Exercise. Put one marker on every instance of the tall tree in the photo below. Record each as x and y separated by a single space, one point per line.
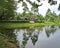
51 16
7 8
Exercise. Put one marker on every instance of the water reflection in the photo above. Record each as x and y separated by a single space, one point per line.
26 34
50 30
31 37
34 37
8 34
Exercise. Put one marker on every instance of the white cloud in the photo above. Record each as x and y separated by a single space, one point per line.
43 9
19 8
55 8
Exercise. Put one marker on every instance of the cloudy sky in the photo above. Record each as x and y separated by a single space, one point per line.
43 8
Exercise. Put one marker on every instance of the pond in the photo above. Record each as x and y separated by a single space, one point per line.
35 37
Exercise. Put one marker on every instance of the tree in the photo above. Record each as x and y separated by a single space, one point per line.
51 16
40 18
47 15
7 8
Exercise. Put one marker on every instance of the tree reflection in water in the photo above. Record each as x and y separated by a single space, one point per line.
23 35
8 34
25 39
50 30
32 34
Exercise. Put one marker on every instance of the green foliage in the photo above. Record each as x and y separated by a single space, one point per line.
34 5
40 19
24 4
7 8
3 40
51 16
8 34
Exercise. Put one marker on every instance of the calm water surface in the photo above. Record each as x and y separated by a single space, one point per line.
37 37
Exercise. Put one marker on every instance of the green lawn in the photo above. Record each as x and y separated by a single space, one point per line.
18 25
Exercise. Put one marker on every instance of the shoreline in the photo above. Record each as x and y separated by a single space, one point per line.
19 25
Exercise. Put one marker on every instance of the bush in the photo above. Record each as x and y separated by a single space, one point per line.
14 21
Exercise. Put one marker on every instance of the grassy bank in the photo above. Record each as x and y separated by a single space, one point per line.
18 25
